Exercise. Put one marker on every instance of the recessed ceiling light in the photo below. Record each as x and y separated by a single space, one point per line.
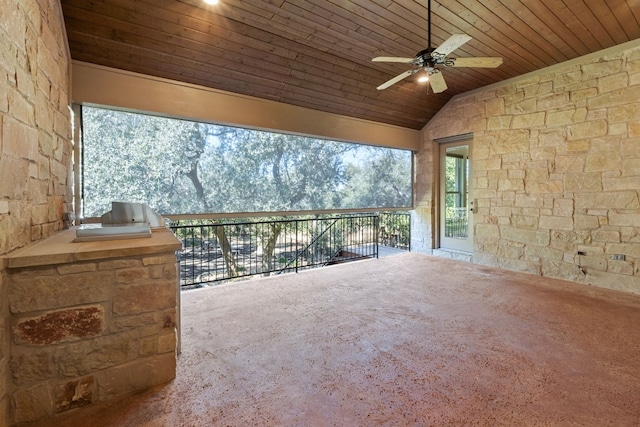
211 1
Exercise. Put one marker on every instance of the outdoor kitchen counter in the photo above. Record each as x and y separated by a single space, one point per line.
61 249
90 321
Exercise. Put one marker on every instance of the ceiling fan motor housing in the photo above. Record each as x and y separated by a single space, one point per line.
429 58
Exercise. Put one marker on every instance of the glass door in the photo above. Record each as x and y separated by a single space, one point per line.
456 229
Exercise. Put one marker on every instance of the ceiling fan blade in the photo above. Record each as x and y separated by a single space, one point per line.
479 62
451 44
392 59
396 79
436 80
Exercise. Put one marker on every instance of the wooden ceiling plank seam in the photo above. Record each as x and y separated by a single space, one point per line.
254 32
590 23
340 105
214 70
244 40
499 46
364 87
331 38
319 63
441 28
326 46
508 45
346 34
164 45
298 26
251 8
345 14
555 20
624 15
253 35
635 11
120 49
343 63
404 28
532 26
205 53
394 101
369 90
325 14
386 20
137 63
420 21
526 44
365 82
601 9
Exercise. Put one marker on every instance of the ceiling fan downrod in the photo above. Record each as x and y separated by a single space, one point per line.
429 24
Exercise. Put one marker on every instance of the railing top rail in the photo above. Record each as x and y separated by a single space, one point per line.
279 221
230 215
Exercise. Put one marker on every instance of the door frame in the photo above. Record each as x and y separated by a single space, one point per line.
442 242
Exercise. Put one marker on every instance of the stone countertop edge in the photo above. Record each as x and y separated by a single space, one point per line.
61 249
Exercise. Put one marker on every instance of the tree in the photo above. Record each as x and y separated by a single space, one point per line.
265 171
138 158
383 179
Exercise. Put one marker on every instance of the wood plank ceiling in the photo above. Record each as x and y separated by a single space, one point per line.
317 53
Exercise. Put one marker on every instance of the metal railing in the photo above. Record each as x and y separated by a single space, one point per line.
395 230
456 227
217 251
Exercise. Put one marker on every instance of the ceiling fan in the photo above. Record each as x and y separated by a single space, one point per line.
429 58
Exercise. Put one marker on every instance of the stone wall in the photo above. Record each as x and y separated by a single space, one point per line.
555 170
35 143
4 348
35 137
90 331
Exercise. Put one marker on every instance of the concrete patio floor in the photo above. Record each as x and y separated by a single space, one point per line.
406 340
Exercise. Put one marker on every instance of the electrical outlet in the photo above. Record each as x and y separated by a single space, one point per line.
617 257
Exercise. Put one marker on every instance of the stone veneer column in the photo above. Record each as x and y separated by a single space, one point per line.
555 169
423 215
35 138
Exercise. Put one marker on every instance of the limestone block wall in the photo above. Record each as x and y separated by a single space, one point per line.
555 170
86 332
35 124
35 142
4 348
423 215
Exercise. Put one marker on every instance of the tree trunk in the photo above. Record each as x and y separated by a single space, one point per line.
269 247
225 246
193 176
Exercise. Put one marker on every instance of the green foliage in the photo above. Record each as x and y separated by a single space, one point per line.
177 167
382 179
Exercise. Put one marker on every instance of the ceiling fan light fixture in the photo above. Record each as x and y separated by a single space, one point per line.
427 60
